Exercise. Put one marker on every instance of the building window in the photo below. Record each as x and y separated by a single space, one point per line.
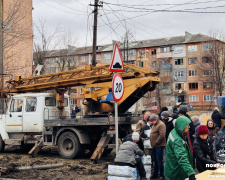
179 73
140 53
207 85
83 58
178 62
164 49
208 72
206 47
192 48
81 90
206 59
107 56
165 61
193 85
73 101
153 51
154 64
193 98
132 52
97 56
177 86
192 60
193 73
141 64
208 98
178 50
73 91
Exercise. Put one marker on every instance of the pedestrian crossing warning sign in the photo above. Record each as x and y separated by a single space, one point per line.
117 62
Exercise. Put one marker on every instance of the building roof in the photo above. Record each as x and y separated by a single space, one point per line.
187 38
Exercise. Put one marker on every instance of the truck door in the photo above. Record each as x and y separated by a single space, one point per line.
32 116
15 115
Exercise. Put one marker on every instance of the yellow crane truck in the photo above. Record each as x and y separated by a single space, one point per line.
43 119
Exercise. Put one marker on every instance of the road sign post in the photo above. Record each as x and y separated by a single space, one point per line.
117 85
118 91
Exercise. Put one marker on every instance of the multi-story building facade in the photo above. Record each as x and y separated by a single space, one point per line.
180 61
18 38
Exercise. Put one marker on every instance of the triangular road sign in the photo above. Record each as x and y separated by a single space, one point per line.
117 62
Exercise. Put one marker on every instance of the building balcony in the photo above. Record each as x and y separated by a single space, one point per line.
180 93
166 66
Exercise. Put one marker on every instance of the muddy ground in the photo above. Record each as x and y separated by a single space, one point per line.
81 168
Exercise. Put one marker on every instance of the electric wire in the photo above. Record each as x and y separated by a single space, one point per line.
59 9
67 6
188 3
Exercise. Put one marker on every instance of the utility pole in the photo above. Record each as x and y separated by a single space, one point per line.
1 54
1 40
96 5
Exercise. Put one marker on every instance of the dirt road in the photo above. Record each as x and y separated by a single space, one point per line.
81 168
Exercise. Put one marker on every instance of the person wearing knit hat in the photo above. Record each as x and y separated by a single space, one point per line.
203 150
163 109
168 122
127 152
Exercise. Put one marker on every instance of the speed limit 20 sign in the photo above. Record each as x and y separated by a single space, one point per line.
117 87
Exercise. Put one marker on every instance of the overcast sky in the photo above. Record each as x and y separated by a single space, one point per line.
144 19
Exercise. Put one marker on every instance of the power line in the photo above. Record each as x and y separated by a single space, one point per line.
60 9
165 10
143 25
188 3
80 3
67 6
111 26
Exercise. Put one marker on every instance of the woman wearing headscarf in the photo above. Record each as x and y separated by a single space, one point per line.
213 128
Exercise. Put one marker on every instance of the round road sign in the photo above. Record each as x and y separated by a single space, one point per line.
117 87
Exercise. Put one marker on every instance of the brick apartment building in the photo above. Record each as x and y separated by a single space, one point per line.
183 63
17 38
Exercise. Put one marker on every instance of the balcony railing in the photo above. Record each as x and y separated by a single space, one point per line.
166 66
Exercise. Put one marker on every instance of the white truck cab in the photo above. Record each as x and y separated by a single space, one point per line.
26 113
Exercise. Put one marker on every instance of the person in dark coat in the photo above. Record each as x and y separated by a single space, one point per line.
168 122
216 117
163 109
203 150
213 128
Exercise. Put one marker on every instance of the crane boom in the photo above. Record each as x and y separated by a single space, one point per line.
137 82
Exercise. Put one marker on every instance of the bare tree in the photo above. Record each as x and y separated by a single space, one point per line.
43 41
67 42
212 64
16 36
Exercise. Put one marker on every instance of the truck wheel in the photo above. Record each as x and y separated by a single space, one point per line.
68 145
2 144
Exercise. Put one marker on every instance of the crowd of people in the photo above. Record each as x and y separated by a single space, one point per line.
177 144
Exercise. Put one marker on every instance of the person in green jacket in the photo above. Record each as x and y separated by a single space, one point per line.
179 161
